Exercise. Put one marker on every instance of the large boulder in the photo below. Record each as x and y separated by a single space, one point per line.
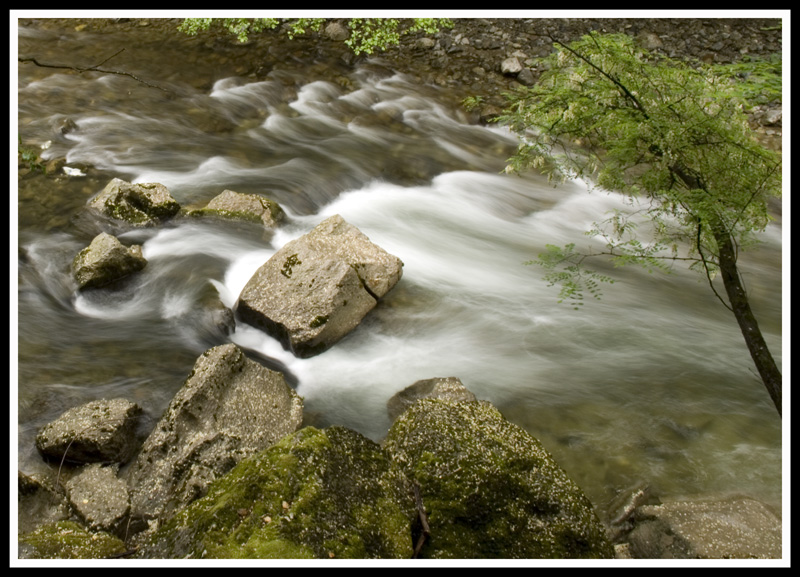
248 207
106 260
490 489
102 431
229 408
318 288
325 494
144 204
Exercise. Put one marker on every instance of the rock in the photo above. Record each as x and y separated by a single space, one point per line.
248 207
526 77
68 540
98 432
325 494
229 408
649 41
106 260
511 66
146 204
450 388
773 116
38 504
100 498
733 528
336 32
318 288
490 489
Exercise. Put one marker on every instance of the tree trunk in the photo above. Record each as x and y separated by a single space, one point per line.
737 296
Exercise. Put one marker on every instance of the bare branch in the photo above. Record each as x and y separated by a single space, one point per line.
96 68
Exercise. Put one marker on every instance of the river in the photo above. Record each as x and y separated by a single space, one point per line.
651 384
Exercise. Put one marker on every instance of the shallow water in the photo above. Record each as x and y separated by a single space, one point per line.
651 384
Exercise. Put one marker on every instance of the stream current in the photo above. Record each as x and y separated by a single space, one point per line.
651 384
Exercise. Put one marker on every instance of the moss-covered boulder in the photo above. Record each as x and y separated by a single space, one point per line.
68 540
143 204
490 489
248 207
105 261
328 493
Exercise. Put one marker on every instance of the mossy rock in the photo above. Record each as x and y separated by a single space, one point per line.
68 540
141 204
328 493
490 489
246 207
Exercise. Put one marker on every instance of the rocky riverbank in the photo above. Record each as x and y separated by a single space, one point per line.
484 57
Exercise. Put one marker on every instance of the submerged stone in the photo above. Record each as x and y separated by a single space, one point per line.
732 528
489 488
248 207
325 494
437 388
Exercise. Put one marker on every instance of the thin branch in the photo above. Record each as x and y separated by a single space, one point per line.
96 68
617 83
705 266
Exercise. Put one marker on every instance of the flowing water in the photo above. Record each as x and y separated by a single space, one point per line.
652 384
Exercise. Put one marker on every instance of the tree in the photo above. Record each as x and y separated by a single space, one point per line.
366 34
675 141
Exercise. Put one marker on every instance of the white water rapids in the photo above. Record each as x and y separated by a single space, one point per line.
651 384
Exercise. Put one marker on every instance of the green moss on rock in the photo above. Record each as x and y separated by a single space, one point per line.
489 488
68 540
315 494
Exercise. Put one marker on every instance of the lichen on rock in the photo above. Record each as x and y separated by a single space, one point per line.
142 204
316 289
106 260
248 207
489 488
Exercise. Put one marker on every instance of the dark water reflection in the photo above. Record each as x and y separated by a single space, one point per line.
652 384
